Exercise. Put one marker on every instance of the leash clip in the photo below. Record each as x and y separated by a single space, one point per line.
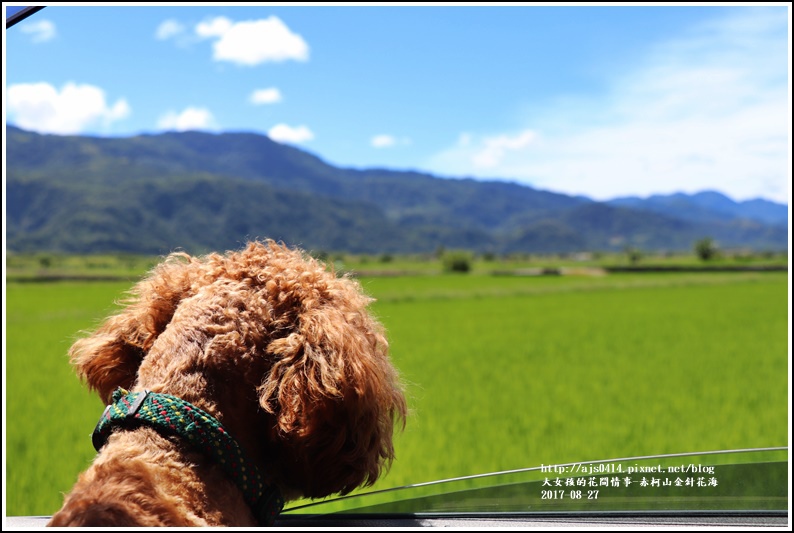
137 403
102 429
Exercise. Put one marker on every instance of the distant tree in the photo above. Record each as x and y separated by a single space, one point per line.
457 262
706 249
634 255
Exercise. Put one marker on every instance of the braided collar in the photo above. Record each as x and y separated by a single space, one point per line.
168 414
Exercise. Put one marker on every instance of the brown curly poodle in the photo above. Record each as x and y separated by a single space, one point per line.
264 347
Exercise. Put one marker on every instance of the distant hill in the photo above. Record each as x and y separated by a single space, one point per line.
201 191
708 206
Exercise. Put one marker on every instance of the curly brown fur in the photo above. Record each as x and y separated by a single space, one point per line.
282 352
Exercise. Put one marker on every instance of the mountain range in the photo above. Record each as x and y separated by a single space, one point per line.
202 191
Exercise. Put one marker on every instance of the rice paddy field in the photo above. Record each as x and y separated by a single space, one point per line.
502 372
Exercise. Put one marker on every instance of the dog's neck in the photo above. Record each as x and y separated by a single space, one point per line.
144 479
170 415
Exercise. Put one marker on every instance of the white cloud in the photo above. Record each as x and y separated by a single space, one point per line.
383 141
121 109
494 149
270 95
253 42
41 107
40 31
287 134
387 141
709 111
168 29
191 118
214 28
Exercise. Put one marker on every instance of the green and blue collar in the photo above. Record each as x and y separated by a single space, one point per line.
171 415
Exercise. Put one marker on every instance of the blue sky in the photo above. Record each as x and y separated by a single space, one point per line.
595 100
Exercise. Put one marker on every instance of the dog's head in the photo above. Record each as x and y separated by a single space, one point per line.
284 352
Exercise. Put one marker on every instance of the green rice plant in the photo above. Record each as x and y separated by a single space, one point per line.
49 414
501 372
65 266
507 382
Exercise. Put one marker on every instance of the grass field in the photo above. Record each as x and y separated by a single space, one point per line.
130 266
502 372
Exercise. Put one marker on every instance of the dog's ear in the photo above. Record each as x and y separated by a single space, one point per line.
336 397
110 356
